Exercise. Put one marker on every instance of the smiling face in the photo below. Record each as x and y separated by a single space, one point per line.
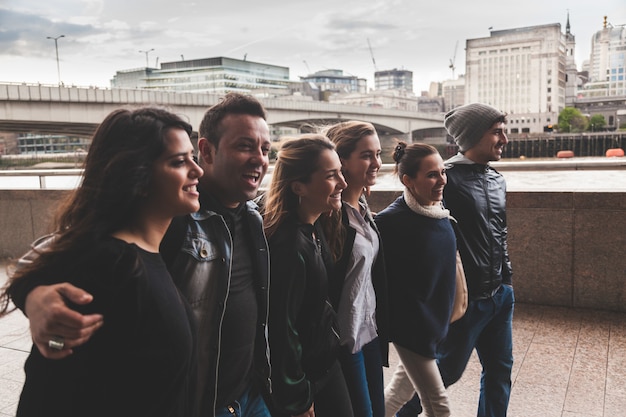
234 170
173 186
361 167
322 192
427 185
490 146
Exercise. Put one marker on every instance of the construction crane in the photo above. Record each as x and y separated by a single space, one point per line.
453 59
372 54
307 67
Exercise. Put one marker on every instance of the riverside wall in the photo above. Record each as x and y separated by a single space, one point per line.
567 248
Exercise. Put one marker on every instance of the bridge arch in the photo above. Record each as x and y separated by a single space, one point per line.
78 110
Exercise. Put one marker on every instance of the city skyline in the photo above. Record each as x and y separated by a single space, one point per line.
105 36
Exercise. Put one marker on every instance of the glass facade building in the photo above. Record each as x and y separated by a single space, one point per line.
219 75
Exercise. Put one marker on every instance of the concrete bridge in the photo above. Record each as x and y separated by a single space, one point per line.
77 110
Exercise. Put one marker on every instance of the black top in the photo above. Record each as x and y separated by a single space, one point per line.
240 316
302 326
139 362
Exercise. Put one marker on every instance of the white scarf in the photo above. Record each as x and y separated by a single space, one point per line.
436 211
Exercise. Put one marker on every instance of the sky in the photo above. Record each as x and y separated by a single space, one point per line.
357 36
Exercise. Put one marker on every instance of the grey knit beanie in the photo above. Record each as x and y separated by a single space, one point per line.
467 124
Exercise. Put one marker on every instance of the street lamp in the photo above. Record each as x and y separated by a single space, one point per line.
56 48
147 52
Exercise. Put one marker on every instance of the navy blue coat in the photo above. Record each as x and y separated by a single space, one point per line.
420 258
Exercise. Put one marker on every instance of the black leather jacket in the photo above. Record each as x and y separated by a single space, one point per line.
198 250
476 197
302 327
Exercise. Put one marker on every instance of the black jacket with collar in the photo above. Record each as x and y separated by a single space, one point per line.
303 325
476 197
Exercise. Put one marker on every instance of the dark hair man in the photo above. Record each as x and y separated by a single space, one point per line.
219 260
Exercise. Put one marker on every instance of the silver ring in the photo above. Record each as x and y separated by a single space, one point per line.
56 343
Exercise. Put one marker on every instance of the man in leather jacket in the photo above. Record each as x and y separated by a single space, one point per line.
219 260
476 197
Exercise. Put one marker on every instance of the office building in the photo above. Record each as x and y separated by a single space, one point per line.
385 99
453 93
332 81
521 72
219 75
607 63
43 144
394 79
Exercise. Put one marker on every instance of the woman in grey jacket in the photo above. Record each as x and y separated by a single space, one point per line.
358 287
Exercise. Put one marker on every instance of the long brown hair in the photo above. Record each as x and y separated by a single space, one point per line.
345 136
117 173
298 159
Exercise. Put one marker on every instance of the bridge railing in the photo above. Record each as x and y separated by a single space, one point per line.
28 178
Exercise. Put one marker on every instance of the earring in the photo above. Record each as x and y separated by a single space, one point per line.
299 200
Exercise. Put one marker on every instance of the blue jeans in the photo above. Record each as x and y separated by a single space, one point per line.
250 404
486 326
363 372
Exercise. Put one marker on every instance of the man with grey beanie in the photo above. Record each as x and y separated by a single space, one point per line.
476 197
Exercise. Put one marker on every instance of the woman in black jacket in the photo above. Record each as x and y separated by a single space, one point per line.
306 377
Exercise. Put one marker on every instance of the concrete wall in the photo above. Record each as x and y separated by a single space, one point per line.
24 216
567 248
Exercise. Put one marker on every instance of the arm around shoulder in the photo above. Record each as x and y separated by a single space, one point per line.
47 310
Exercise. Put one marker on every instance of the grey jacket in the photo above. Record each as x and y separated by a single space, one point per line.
201 268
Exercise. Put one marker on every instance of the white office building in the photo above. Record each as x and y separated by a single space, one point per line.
521 72
607 63
453 93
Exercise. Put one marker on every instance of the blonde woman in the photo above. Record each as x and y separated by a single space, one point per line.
306 376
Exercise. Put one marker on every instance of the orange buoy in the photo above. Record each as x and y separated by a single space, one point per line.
615 152
565 154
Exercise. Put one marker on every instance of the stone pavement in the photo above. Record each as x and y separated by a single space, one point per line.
568 363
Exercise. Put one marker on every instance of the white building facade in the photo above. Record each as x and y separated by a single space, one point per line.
521 72
607 63
454 93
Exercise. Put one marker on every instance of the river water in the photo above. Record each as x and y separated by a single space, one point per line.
581 180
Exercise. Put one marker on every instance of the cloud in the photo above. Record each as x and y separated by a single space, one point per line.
25 34
104 36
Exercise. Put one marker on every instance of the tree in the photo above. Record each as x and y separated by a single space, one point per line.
572 120
597 123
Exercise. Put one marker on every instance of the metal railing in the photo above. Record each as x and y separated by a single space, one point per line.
41 174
